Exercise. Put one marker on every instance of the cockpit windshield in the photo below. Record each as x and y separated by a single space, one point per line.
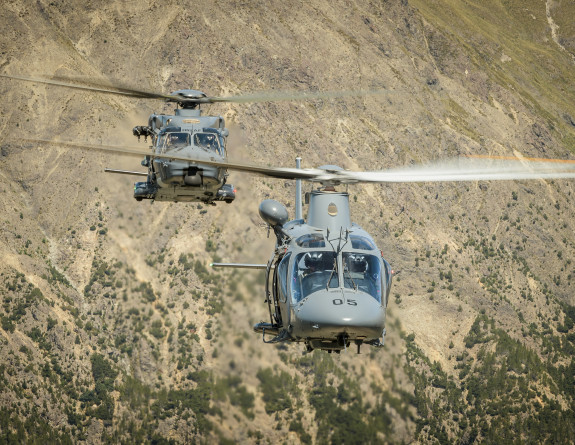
362 272
209 142
174 141
313 271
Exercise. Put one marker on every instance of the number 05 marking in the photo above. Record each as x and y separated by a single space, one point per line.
339 302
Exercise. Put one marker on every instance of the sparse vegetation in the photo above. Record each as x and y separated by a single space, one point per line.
115 329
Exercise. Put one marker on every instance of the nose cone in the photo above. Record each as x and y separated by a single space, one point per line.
330 313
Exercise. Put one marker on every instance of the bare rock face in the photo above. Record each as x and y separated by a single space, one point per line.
113 326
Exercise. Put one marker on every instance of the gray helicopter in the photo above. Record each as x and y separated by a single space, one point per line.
185 134
327 283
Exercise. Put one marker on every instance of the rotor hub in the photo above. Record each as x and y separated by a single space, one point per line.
188 98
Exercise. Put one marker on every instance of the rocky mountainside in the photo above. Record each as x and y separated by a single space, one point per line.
115 330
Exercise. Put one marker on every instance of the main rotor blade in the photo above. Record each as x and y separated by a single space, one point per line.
281 96
281 173
450 170
473 169
90 86
135 151
264 96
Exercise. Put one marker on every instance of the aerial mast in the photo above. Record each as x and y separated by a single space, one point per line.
298 204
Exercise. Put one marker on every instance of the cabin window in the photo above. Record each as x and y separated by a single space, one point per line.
312 272
363 273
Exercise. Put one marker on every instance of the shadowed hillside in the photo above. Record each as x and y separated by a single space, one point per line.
115 330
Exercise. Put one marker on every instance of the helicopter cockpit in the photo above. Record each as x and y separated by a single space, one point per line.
320 270
209 142
363 273
313 271
173 140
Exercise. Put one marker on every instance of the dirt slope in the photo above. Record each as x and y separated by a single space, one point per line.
112 328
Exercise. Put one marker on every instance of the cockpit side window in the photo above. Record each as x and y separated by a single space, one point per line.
283 277
363 273
388 275
312 272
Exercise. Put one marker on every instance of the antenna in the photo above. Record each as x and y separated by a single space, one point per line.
298 205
